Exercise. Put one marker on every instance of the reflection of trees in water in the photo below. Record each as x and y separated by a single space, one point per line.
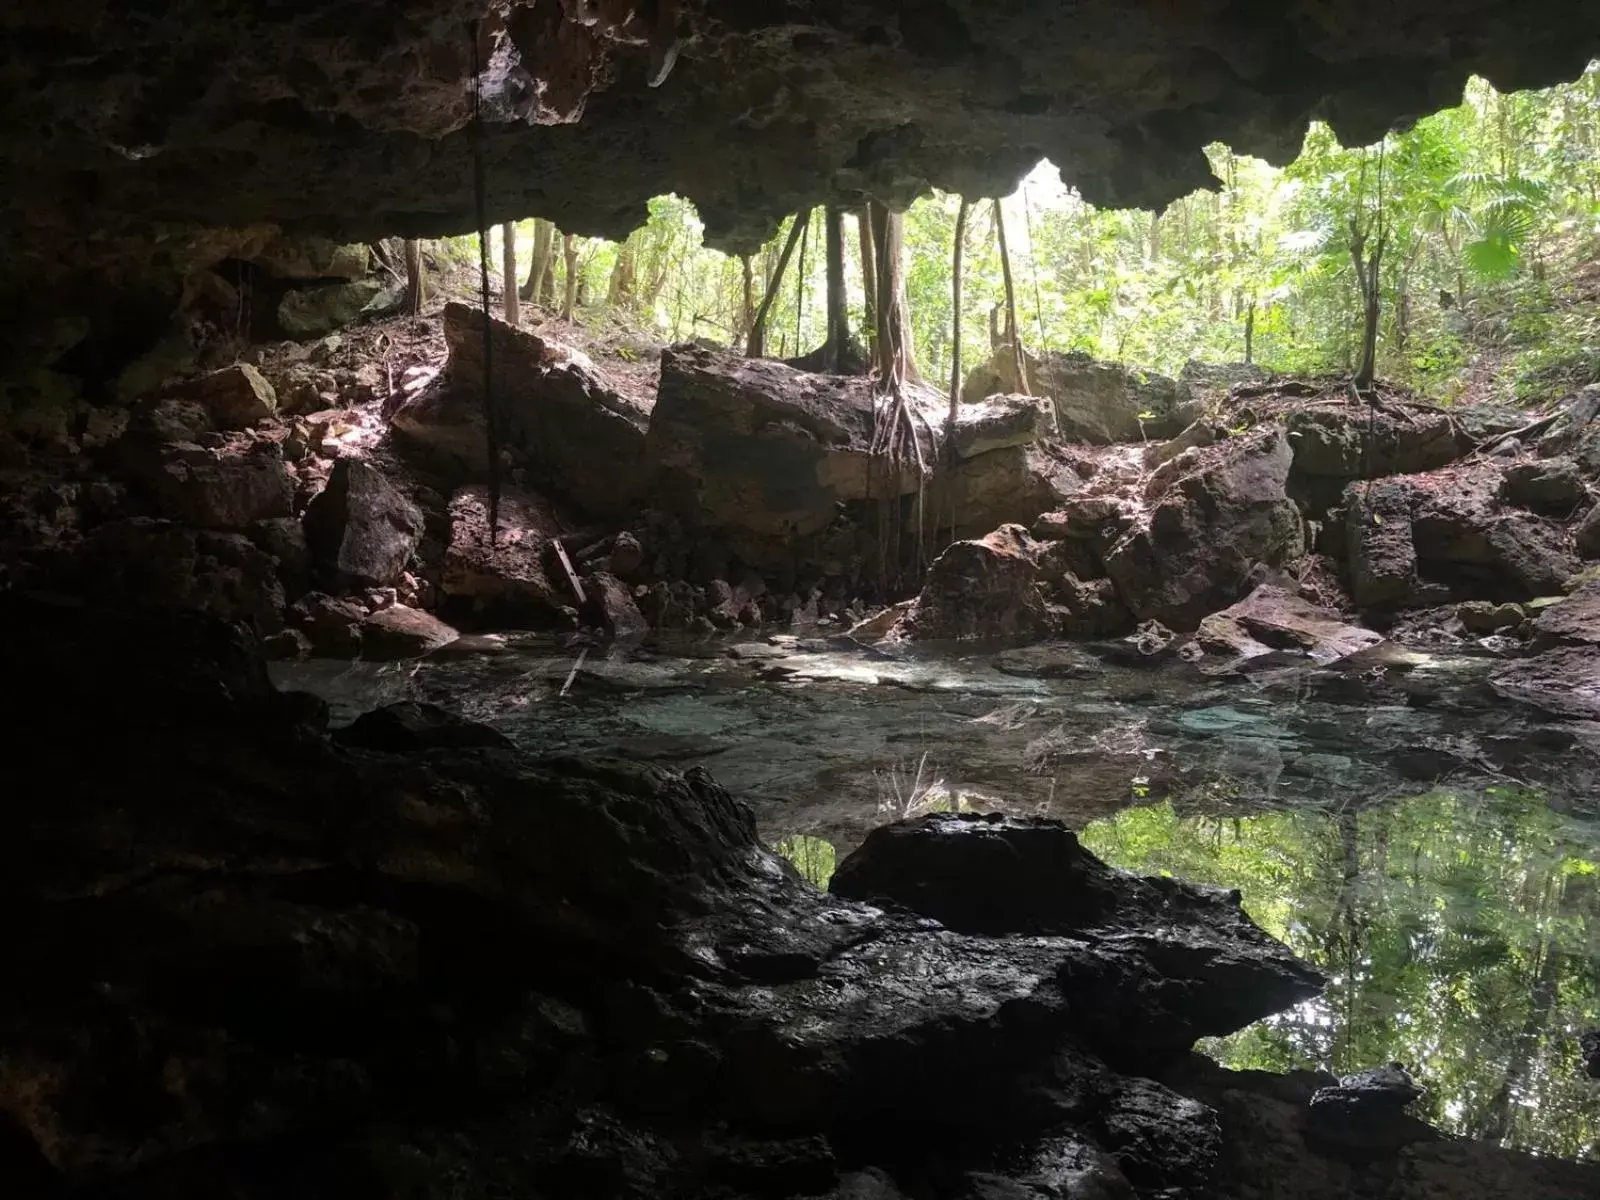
1460 932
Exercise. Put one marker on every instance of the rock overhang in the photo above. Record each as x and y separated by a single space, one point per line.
354 119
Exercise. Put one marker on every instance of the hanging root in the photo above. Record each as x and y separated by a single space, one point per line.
894 428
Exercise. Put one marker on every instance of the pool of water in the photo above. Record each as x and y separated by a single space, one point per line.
1433 849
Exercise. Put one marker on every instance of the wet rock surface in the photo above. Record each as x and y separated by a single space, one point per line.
438 962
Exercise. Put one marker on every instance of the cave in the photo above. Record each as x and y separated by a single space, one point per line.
455 757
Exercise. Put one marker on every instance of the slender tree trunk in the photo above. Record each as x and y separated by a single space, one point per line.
955 327
508 272
619 293
416 285
869 279
569 254
543 238
747 302
1250 332
838 337
1367 265
1013 334
800 286
756 347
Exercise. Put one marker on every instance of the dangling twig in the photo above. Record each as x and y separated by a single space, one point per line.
480 189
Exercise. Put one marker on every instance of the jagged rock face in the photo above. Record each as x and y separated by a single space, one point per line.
351 120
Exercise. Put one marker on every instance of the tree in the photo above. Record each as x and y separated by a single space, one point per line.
569 253
536 288
508 272
1368 238
416 284
1013 334
869 278
757 345
955 330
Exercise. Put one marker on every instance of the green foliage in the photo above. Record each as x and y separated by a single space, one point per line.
1457 930
813 857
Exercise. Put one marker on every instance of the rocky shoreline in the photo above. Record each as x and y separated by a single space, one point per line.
410 959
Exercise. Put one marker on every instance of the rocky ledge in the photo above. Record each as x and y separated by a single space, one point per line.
252 959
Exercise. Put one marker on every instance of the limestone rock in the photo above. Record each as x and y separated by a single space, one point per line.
235 397
398 632
361 529
284 539
1484 617
331 624
40 409
1450 530
1096 402
1343 441
988 587
143 561
613 602
1564 681
1090 518
314 311
1196 551
1001 421
1586 537
1011 485
575 436
1273 624
1573 621
1381 552
757 446
515 578
172 420
216 489
997 875
311 258
1550 486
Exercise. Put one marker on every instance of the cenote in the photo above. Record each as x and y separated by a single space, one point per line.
1434 852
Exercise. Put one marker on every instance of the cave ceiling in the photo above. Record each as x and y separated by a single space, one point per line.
128 124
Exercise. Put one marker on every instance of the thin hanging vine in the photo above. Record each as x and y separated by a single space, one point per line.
491 422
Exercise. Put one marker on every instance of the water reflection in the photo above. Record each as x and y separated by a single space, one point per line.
1460 930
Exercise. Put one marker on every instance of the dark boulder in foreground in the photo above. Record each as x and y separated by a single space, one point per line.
420 962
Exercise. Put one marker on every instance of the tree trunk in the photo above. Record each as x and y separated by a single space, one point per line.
800 286
1250 332
508 273
955 327
1367 264
569 254
1013 335
838 336
757 345
747 301
896 355
869 279
543 238
416 286
619 292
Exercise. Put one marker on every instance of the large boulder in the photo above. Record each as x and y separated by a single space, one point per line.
516 579
313 311
1274 624
145 562
757 446
576 437
399 632
361 530
987 587
226 488
1001 421
1096 402
233 398
1448 532
1195 551
1342 441
1011 484
1551 486
311 258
